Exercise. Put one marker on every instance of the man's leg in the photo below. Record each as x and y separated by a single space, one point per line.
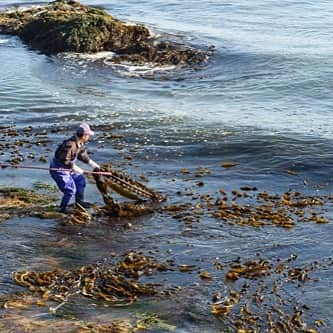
66 185
80 183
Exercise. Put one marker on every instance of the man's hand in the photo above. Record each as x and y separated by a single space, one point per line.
93 164
78 170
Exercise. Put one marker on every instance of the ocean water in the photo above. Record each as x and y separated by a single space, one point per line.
263 100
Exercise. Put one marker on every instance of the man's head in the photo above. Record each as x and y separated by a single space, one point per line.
84 132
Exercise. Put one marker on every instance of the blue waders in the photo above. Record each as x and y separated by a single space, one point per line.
69 183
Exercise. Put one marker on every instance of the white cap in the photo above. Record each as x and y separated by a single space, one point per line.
84 129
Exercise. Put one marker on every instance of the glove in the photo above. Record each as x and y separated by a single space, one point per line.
93 164
97 177
78 170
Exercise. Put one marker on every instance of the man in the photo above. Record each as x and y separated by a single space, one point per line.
71 181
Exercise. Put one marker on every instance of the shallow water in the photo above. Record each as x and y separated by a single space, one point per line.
263 101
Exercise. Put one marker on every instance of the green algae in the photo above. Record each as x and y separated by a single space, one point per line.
21 197
41 186
21 202
151 321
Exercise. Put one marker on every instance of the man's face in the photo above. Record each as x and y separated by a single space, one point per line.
85 137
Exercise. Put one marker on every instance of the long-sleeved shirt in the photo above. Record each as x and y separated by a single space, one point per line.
70 150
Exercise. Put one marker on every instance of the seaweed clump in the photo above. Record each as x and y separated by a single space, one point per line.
116 284
258 210
257 299
145 199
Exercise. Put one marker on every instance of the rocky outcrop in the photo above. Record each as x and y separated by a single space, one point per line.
68 26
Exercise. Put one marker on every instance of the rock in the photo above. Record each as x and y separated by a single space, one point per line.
68 26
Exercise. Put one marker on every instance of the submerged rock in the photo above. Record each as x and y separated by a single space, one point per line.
68 26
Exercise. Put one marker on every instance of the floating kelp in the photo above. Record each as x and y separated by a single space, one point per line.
250 270
228 164
136 264
117 284
13 140
262 209
224 307
201 171
263 302
187 268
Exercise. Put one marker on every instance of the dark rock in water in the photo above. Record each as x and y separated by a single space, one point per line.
68 26
164 53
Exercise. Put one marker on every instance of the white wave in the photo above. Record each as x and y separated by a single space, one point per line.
98 55
148 69
4 41
127 69
23 8
89 56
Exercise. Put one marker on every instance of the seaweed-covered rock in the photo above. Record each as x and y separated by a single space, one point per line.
68 26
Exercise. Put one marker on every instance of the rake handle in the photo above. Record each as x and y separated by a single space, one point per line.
3 166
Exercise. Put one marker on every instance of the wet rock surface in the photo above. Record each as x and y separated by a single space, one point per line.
68 26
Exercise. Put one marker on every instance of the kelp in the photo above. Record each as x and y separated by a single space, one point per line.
254 210
124 185
256 298
113 180
116 284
